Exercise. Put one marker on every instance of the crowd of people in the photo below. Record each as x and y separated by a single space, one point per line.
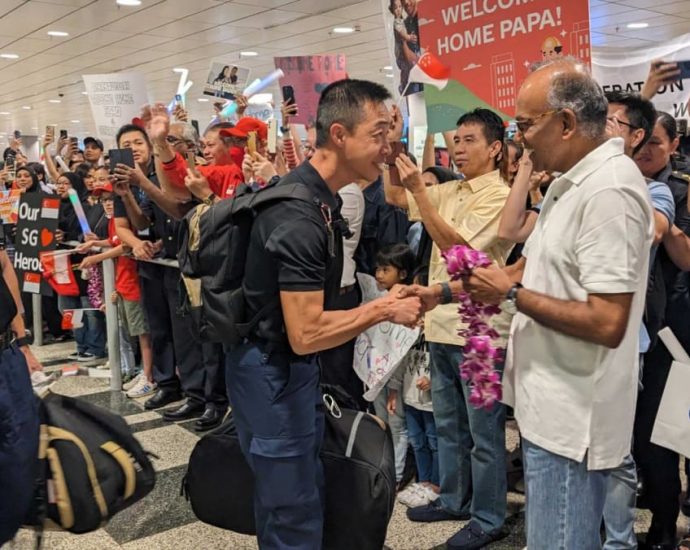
583 213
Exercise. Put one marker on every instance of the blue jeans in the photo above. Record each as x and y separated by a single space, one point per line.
421 431
619 507
280 424
471 444
398 428
91 337
565 501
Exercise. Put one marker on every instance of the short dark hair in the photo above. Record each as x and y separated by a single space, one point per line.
492 125
399 256
127 128
441 173
668 123
342 102
227 140
640 112
38 168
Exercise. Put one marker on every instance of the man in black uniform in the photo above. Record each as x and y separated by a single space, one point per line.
19 423
175 347
294 262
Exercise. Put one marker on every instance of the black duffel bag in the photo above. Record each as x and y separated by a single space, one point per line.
359 468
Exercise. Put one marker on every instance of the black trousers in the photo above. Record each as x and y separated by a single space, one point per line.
336 363
49 309
658 466
215 391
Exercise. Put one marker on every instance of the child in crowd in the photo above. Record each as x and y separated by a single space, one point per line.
394 265
130 309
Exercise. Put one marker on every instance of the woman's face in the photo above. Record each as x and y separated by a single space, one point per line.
23 180
90 180
100 178
226 71
656 153
62 186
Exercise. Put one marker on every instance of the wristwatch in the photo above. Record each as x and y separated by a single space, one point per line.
23 341
210 199
446 294
284 130
509 305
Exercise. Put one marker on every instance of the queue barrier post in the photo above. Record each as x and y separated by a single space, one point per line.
37 319
111 323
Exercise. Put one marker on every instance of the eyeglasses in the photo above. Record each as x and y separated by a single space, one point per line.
172 139
526 124
619 121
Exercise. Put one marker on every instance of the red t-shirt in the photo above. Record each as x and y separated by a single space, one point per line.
126 278
221 179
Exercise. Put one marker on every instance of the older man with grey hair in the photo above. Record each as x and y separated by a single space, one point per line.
578 294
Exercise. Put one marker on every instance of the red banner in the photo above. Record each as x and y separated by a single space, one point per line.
490 44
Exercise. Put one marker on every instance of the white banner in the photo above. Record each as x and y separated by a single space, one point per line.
379 349
115 100
626 69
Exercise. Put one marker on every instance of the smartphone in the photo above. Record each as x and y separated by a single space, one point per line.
63 134
272 136
288 95
50 131
684 67
251 143
17 134
9 165
120 156
191 160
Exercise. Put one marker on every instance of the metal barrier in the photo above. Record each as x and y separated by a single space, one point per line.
111 314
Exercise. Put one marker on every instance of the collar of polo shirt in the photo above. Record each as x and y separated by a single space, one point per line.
485 180
592 162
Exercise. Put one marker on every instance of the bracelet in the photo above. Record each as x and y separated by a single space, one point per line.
446 293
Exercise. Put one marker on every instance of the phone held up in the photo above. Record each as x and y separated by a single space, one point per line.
120 156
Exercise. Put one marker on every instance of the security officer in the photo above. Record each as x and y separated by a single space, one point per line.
19 423
175 346
293 269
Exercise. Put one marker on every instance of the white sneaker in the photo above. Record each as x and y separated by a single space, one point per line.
142 388
409 494
104 366
430 493
39 378
419 498
133 382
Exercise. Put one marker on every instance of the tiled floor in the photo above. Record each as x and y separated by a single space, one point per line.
164 519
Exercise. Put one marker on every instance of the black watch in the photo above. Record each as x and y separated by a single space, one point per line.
446 294
23 341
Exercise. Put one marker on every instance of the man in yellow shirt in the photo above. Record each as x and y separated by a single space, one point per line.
471 442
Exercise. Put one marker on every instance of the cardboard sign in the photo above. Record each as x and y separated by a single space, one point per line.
36 226
490 45
379 349
625 69
9 205
225 80
308 76
115 100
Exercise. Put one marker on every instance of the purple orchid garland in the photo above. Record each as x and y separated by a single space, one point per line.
480 355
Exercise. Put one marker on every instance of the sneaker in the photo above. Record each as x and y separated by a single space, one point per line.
39 378
86 357
74 356
434 512
104 366
430 493
129 380
141 388
408 494
419 498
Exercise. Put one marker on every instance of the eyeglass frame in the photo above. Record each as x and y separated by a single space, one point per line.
619 121
532 121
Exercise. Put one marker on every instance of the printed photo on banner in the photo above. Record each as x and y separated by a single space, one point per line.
488 48
9 205
402 28
225 80
627 69
308 76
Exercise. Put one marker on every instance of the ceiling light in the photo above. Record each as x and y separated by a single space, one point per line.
343 30
4 112
85 93
249 54
58 33
637 25
202 100
179 70
129 2
388 68
34 127
54 101
9 56
75 121
26 107
389 76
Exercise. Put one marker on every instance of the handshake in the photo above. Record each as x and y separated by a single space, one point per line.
406 304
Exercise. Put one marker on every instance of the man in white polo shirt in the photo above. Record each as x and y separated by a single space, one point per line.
572 366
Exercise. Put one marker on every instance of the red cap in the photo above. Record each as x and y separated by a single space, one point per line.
244 126
105 188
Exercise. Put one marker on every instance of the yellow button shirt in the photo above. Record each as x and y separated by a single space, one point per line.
473 208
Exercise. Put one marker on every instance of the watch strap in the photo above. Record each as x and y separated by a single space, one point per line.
512 293
446 293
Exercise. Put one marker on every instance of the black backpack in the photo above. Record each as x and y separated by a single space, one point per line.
359 470
213 250
91 466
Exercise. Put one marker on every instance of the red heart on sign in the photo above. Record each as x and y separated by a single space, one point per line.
46 237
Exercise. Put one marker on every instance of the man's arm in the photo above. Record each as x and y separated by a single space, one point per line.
393 190
141 249
134 213
677 245
310 329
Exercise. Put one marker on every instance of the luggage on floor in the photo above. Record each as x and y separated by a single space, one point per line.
359 469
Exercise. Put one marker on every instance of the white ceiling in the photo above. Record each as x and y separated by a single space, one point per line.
161 34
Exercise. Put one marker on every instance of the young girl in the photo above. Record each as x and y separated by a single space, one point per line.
409 390
394 265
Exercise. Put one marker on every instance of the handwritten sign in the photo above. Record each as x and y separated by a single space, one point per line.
379 349
9 205
308 76
36 226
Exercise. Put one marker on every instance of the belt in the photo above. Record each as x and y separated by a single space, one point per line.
6 339
346 289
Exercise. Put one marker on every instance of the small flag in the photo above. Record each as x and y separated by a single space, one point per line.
430 70
72 318
32 283
57 270
50 209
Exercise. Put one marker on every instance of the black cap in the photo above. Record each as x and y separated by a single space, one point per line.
97 142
